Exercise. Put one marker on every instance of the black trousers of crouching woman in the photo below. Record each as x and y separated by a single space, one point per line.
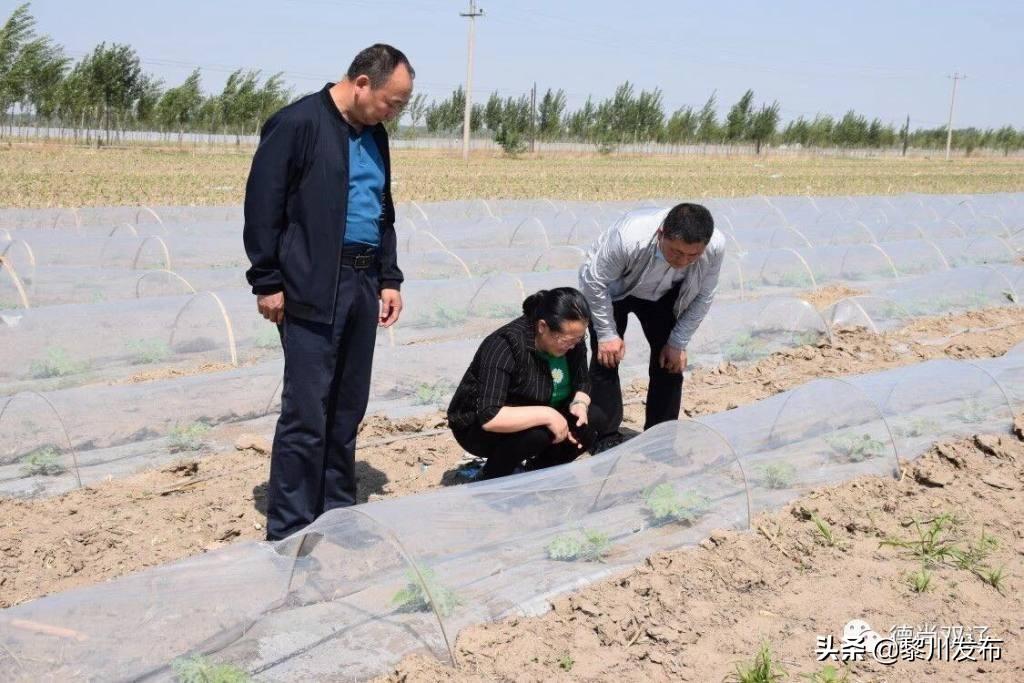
534 446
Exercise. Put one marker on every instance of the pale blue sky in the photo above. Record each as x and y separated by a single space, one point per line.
885 59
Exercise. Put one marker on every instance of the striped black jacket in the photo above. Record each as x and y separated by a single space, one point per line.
507 370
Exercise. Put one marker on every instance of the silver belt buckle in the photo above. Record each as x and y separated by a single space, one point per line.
363 261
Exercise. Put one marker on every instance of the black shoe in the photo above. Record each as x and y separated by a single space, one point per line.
607 442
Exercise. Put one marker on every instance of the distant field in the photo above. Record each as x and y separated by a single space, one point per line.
36 175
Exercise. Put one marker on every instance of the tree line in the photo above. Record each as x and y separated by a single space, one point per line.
108 90
634 117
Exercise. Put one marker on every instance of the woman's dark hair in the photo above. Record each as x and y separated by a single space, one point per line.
555 306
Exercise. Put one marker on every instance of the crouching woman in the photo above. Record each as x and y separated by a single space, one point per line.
524 402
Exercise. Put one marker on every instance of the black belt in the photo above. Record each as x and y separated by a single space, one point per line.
359 258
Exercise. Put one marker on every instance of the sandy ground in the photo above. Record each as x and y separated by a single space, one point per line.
123 525
695 614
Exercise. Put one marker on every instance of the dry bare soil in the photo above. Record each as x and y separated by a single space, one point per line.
123 525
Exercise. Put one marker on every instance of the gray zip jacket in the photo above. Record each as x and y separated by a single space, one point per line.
623 255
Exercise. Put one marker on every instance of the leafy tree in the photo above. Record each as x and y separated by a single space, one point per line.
115 76
550 111
416 109
737 121
681 126
707 122
492 112
178 108
763 124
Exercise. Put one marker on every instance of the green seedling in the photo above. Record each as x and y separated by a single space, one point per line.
778 475
201 670
993 577
856 448
43 462
57 363
936 545
665 505
187 437
501 311
588 546
147 351
566 662
418 597
268 338
445 316
744 347
972 411
914 427
794 278
433 393
920 580
763 669
829 673
933 545
824 531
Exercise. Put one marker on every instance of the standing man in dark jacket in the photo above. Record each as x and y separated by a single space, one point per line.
319 231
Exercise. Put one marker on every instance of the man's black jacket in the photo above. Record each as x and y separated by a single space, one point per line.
296 201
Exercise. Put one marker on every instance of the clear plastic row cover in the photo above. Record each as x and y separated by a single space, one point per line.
957 290
167 252
364 586
468 263
74 218
498 233
54 285
81 343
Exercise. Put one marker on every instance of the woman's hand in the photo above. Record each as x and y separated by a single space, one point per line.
579 409
559 427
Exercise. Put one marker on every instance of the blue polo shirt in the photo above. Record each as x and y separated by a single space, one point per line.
365 190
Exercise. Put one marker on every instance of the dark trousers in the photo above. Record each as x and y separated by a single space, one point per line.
505 452
323 399
665 389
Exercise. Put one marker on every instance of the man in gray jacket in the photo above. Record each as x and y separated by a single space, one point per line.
661 265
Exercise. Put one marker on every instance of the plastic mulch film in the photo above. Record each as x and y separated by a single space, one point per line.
364 586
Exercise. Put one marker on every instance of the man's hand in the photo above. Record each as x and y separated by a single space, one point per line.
610 353
390 306
271 306
672 359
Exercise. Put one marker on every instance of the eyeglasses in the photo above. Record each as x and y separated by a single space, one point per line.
567 339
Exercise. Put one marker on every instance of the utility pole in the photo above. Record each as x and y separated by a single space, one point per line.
906 135
952 101
533 118
472 14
